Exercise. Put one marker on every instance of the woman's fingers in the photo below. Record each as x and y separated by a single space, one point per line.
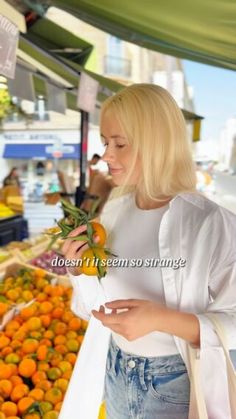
76 232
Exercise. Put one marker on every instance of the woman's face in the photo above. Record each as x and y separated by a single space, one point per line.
118 152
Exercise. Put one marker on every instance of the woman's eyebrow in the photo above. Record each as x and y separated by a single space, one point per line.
113 136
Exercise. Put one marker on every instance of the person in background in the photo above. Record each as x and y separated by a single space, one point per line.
12 179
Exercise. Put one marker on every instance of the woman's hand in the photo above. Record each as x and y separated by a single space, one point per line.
140 318
74 249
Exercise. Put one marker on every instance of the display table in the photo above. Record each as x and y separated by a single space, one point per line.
11 229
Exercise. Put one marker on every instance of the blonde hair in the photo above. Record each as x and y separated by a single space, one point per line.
156 129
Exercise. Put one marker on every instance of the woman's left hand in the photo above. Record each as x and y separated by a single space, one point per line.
139 318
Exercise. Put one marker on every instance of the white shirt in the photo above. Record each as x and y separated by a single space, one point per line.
135 241
204 234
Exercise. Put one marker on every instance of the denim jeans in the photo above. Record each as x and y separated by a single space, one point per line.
145 387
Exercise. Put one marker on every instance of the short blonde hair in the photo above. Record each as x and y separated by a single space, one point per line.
156 129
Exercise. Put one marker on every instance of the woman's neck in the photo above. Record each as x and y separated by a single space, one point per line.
147 203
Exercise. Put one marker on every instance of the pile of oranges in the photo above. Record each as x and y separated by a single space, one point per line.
38 347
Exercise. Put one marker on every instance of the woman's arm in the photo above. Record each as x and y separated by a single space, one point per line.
142 317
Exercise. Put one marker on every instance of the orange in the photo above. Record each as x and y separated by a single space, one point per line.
53 395
99 233
27 295
80 338
58 406
19 391
71 334
27 367
15 379
43 366
59 340
41 283
62 349
2 415
34 415
52 414
28 312
45 406
62 384
38 376
45 307
34 323
55 358
67 316
12 358
49 334
14 368
12 294
6 351
75 324
53 373
45 385
42 352
67 375
71 358
45 319
90 258
65 366
4 341
3 308
6 387
39 273
30 346
5 371
72 345
16 344
46 341
84 324
24 404
9 408
57 313
41 297
57 291
60 328
37 394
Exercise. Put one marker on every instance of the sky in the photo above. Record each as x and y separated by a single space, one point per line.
214 96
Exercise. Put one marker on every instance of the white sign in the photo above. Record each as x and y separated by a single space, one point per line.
9 37
87 93
40 136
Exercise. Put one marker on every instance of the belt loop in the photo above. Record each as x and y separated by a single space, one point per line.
141 374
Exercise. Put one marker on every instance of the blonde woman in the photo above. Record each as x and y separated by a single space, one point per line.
178 250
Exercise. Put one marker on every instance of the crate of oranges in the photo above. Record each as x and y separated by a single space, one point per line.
38 345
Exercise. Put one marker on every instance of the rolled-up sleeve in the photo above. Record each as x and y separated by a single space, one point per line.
222 283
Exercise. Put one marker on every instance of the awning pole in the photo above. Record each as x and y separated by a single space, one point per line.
81 190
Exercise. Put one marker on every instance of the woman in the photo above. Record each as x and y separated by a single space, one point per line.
144 315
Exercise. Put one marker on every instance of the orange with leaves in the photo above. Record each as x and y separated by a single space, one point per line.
24 404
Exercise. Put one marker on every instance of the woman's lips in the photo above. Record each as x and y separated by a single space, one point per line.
115 171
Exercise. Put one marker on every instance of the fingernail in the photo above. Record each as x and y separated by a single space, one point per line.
96 239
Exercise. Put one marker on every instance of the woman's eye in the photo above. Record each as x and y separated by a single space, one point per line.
104 144
120 145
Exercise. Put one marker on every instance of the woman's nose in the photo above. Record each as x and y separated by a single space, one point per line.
108 155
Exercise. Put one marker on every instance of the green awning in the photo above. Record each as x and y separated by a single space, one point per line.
58 41
200 30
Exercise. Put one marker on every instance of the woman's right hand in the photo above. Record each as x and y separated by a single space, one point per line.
73 249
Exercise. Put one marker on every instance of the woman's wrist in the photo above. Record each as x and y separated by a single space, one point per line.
181 324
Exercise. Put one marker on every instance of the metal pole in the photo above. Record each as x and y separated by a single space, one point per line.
81 190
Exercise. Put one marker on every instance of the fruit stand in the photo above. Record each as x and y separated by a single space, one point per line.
40 336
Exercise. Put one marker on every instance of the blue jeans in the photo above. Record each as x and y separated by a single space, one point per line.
145 387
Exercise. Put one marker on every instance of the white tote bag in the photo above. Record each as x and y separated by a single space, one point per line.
197 397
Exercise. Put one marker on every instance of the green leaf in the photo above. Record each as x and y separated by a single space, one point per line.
82 237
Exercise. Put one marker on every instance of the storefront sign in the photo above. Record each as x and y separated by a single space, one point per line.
9 37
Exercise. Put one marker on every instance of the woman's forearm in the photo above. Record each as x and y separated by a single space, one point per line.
184 325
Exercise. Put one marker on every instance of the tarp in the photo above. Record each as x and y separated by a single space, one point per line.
200 30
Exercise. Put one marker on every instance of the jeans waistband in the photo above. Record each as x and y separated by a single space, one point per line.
145 367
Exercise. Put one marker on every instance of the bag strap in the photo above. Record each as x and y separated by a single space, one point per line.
197 397
219 329
197 401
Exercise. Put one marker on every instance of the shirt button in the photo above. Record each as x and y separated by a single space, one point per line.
131 363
